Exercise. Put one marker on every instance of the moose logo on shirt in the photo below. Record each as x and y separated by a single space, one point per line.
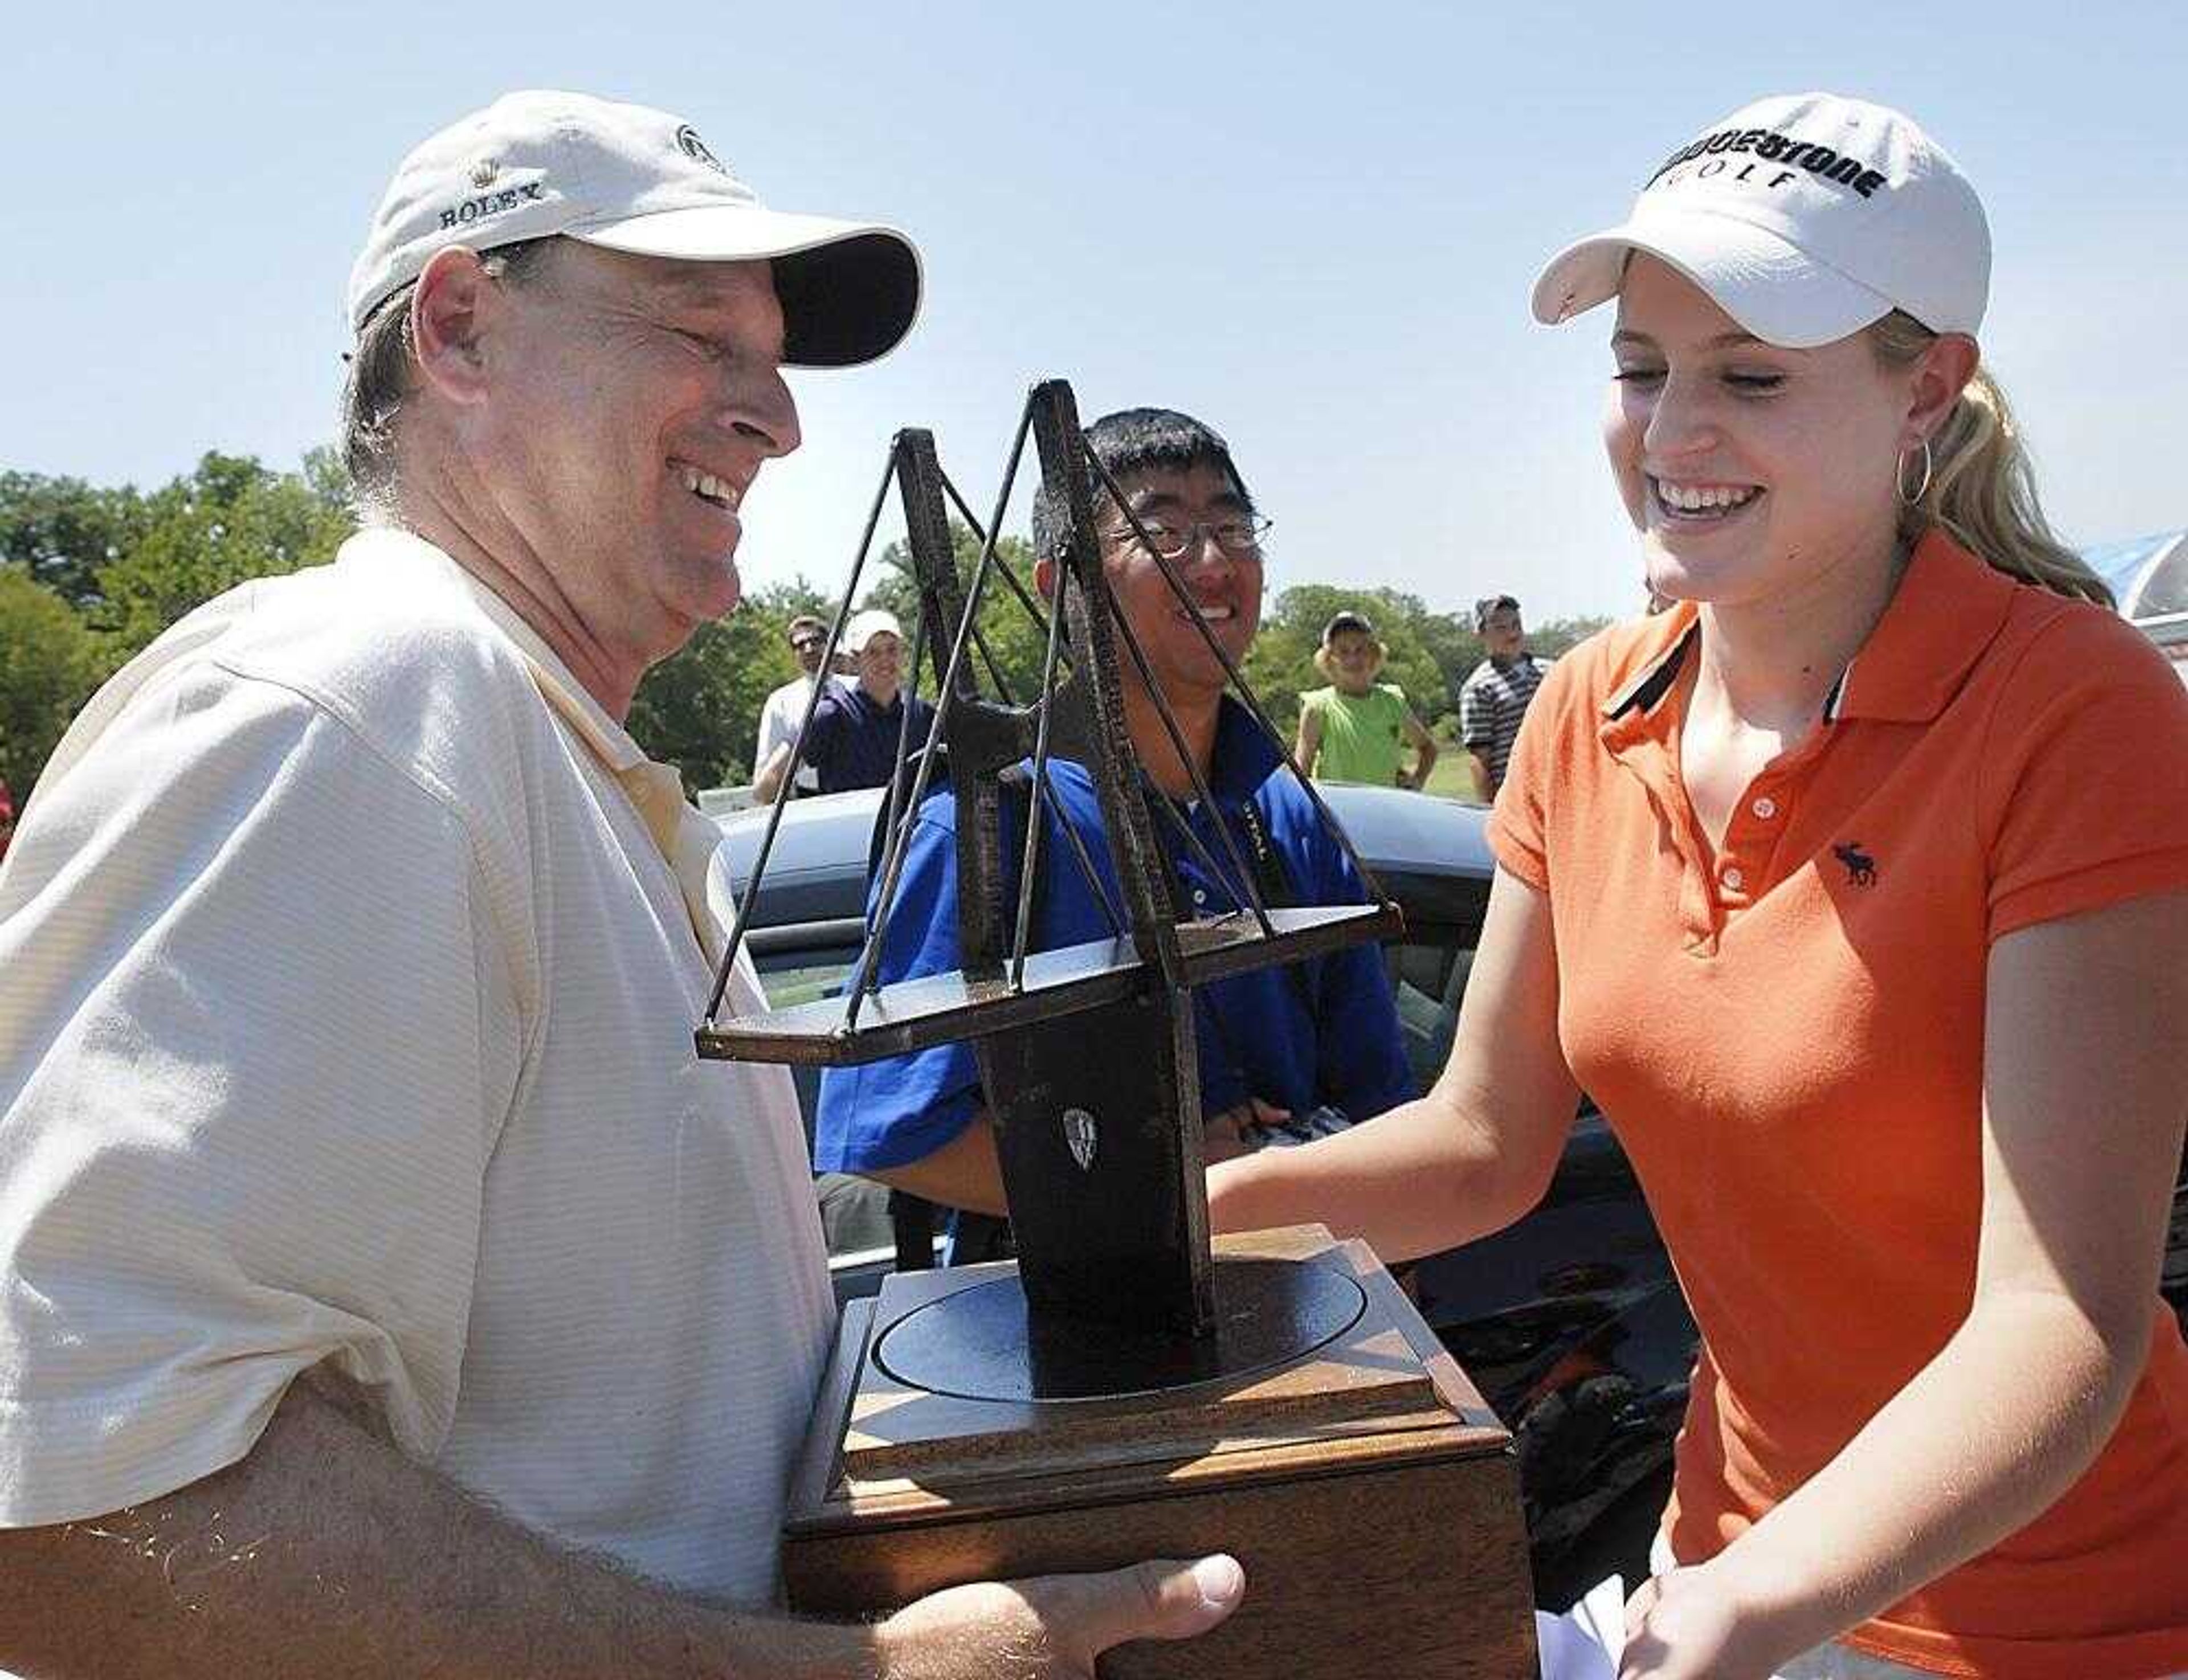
1860 867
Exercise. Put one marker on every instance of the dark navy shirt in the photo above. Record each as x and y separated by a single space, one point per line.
853 739
1324 1030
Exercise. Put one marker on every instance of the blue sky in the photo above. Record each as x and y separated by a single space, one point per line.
1315 226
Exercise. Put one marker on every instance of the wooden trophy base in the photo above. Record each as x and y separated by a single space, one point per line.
1370 1493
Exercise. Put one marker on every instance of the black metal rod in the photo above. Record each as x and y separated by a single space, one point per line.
1024 596
893 866
1046 786
1251 896
1169 808
897 808
995 668
1032 859
1368 881
1101 894
743 918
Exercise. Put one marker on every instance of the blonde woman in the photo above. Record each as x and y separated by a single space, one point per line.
1850 888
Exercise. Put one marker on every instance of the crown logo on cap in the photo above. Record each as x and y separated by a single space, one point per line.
688 143
484 171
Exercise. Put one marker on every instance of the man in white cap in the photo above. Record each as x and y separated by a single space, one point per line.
858 726
348 957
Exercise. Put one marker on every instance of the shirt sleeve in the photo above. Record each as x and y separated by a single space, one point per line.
1477 717
777 728
2085 778
824 733
256 1045
900 1109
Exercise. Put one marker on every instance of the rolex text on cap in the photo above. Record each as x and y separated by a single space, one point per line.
1806 218
628 177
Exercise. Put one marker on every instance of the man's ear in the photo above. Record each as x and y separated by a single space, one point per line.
1941 374
1044 577
450 310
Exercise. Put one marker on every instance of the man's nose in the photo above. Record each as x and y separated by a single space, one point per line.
1201 549
761 410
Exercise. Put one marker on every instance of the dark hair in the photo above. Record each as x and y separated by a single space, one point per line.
380 370
1133 441
1489 604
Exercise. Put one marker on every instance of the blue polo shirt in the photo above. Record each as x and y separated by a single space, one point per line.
852 740
1321 1031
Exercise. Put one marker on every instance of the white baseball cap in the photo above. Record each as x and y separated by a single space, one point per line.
630 178
1804 217
866 626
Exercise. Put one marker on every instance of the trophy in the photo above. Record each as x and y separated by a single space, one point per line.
1127 1388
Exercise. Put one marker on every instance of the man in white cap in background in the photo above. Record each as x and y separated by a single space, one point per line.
858 725
348 958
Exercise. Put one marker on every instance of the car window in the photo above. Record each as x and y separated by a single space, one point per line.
791 977
1428 979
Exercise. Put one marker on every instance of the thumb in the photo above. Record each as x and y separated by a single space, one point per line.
1164 1598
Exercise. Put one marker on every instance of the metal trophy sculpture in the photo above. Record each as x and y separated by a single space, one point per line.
1121 1342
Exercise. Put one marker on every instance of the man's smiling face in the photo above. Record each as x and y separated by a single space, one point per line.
1225 587
636 398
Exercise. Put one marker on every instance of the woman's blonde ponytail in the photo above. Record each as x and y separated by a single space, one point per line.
1979 489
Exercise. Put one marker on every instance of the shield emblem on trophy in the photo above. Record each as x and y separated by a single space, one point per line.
1078 1132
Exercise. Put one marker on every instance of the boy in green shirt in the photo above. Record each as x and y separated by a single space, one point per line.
1357 729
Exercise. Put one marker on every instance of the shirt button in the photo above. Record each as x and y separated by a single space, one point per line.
1735 879
1765 808
1200 895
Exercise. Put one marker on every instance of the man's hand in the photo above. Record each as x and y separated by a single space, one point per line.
1053 1627
1230 1134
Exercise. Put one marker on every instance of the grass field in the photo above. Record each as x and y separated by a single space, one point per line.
1453 775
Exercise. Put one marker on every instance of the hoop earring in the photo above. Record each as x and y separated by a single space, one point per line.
1912 498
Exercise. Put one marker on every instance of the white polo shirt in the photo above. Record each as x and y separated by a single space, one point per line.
779 715
346 1011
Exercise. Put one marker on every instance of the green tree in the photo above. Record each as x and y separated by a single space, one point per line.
49 667
1281 667
699 709
1558 636
230 520
1008 632
61 531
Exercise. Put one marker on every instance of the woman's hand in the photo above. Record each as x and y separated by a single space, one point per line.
1687 1625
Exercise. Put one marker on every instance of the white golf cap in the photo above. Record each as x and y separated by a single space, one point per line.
866 626
1804 217
630 178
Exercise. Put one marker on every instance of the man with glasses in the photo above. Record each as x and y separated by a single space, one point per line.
1285 1053
784 710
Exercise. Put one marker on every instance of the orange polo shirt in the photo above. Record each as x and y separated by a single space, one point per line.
1788 1036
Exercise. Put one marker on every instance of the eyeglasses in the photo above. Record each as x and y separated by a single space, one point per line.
1238 537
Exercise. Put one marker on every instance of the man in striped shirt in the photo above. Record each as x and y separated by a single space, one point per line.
1494 697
